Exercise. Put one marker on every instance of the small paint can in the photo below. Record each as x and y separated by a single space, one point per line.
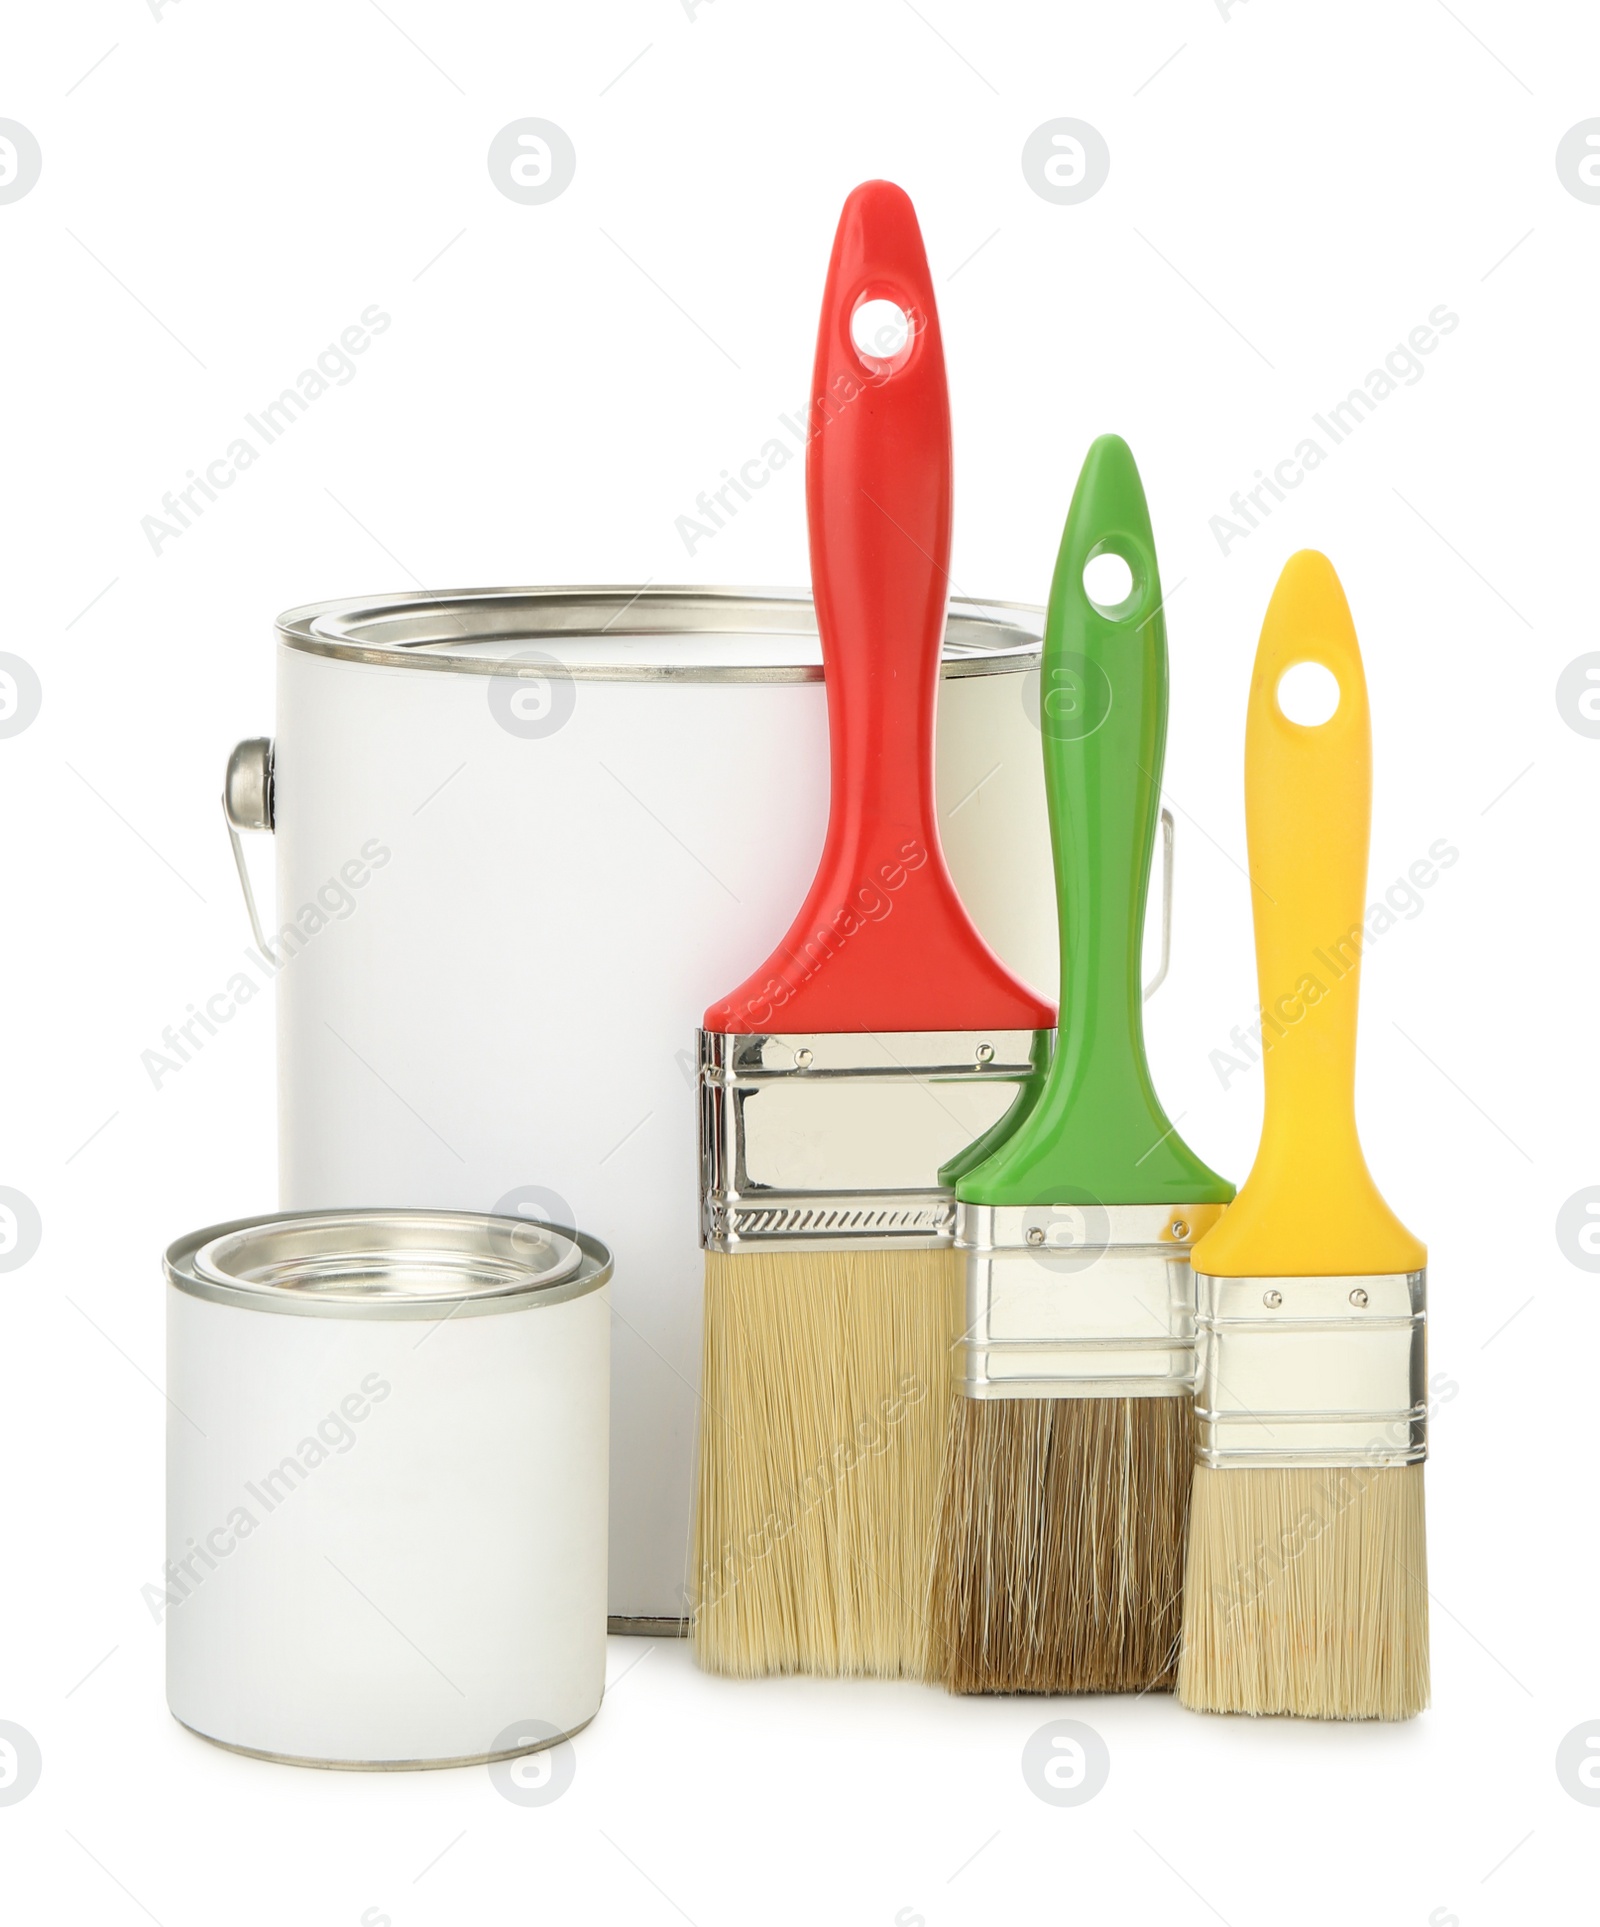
386 1486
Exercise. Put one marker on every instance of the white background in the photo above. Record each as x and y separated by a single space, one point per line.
1290 194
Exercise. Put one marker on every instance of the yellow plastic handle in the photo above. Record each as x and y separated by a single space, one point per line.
1309 1206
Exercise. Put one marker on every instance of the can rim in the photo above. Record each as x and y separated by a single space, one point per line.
330 1263
982 637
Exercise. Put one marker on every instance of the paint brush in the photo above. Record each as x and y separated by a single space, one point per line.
880 1037
1306 1587
1059 1549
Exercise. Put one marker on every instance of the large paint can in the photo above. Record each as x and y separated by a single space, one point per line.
386 1486
523 838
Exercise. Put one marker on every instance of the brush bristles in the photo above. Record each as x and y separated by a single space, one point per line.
825 1385
1307 1593
1059 1552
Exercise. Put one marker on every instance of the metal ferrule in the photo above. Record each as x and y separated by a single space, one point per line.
1312 1371
834 1141
1080 1301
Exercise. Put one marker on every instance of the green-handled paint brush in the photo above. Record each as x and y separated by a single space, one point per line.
1059 1552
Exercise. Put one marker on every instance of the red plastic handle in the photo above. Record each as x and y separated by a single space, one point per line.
883 941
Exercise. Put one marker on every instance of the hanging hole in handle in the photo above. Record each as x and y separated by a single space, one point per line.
1114 578
1308 694
881 333
1107 580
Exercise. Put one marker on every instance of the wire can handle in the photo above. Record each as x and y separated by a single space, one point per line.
1167 828
248 804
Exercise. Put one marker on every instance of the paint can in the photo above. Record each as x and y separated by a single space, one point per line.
386 1486
522 838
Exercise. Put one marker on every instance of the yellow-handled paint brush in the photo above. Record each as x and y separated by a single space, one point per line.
1306 1582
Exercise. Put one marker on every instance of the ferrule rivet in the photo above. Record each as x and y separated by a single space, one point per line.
986 1053
1358 1297
802 1059
1272 1299
1179 1228
1035 1234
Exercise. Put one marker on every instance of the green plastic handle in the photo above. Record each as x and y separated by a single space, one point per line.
1097 1132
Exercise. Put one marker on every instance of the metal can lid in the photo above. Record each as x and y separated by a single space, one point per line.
387 1264
624 634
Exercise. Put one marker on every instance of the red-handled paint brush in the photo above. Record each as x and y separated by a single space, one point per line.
879 1039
